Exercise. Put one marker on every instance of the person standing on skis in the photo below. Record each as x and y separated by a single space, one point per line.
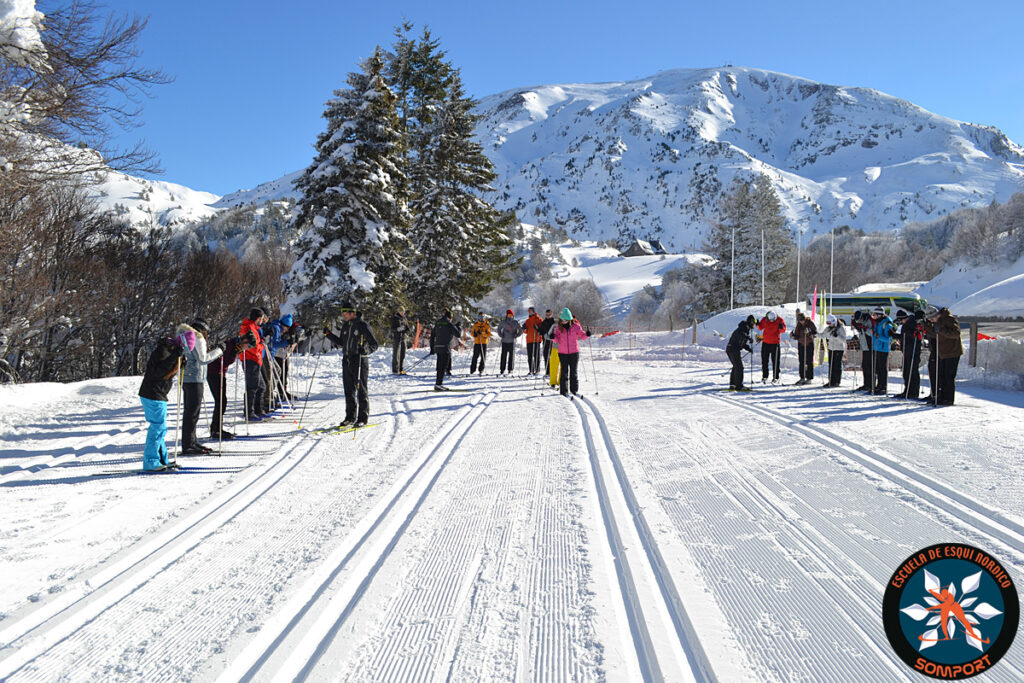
804 334
442 336
481 332
771 327
836 336
950 349
509 330
196 360
882 328
862 323
533 340
399 329
568 334
163 364
739 341
252 362
216 379
357 343
544 329
911 338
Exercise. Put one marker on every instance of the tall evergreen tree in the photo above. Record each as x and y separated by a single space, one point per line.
354 218
463 243
746 210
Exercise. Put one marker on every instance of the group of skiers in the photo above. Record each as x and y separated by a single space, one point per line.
554 340
262 344
934 329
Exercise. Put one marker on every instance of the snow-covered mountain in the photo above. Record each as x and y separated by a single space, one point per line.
152 203
651 157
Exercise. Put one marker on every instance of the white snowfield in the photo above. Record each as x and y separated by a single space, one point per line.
657 529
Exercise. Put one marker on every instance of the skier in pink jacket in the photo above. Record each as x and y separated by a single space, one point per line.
568 334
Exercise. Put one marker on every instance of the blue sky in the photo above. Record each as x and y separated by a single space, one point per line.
252 77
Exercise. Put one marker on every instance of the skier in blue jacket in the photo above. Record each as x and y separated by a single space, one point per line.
882 328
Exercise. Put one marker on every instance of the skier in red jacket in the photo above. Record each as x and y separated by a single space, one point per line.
771 327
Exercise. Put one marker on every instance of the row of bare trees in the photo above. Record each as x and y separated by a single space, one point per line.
83 294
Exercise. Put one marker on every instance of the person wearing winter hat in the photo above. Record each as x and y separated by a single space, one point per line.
911 336
950 348
508 330
252 361
533 339
276 341
882 328
568 334
357 343
804 333
836 336
772 327
399 330
443 336
862 324
216 379
196 360
739 341
161 367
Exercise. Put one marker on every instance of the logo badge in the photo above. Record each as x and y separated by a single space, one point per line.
950 611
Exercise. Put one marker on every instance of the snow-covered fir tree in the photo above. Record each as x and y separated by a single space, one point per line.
354 245
749 210
462 243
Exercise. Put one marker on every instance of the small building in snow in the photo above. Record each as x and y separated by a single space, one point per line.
639 248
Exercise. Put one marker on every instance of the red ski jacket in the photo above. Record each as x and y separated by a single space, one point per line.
256 352
771 330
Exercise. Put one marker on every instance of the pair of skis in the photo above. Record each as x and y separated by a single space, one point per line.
338 429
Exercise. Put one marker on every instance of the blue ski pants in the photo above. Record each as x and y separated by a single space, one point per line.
155 453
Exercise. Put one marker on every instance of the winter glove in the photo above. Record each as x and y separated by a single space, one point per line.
759 338
219 345
588 331
327 330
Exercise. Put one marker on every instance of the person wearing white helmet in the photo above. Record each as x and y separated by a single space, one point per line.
836 335
771 327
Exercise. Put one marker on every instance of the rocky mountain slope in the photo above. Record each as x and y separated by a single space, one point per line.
651 157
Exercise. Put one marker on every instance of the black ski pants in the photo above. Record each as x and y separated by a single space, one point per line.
255 387
569 381
192 398
444 363
533 356
770 352
947 380
736 376
881 360
398 353
508 352
912 372
355 372
805 360
268 383
835 368
479 351
220 402
547 357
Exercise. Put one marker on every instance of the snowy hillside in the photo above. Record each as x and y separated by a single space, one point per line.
152 203
658 529
274 190
979 290
651 157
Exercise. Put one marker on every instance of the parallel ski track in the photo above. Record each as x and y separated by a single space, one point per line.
33 634
970 512
931 492
689 640
319 607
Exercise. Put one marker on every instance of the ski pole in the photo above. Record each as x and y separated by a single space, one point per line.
177 419
310 388
219 408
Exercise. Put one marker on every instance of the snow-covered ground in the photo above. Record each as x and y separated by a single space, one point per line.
996 290
658 527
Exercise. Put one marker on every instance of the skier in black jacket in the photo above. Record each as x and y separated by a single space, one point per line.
543 329
441 338
740 340
911 341
163 364
357 343
399 328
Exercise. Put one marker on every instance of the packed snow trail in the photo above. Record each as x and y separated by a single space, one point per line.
663 530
